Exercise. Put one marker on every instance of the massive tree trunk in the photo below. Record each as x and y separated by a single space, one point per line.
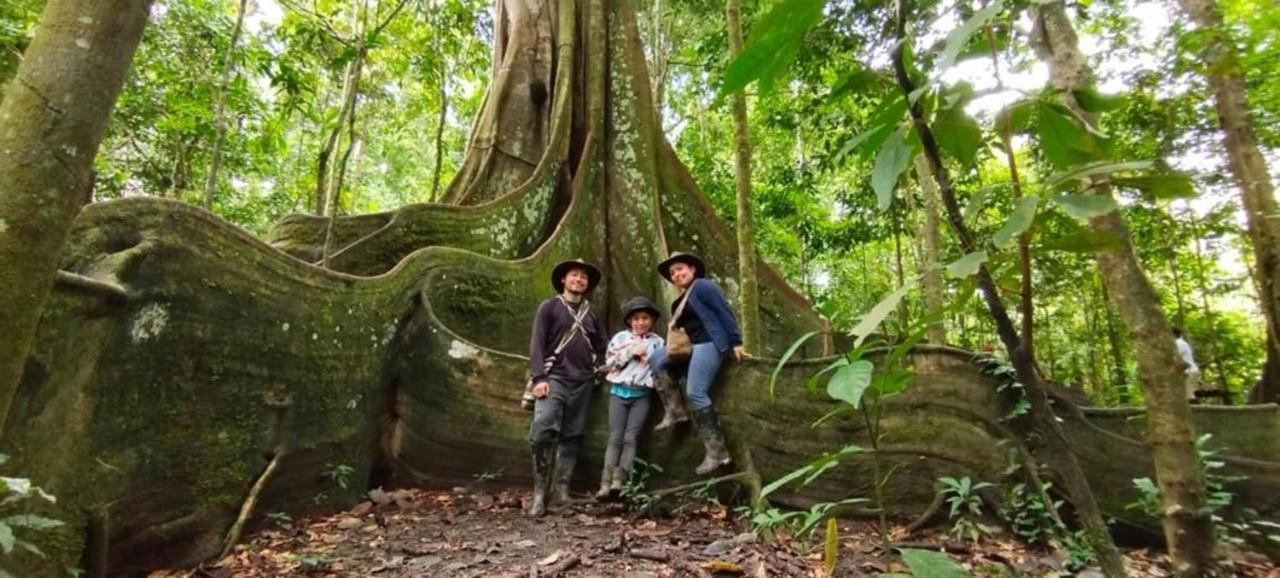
220 109
54 113
748 297
1161 373
1224 71
184 358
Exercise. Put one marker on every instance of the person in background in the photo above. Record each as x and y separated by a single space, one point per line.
1188 357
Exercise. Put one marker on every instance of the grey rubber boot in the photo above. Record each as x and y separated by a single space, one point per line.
712 440
606 483
619 480
543 459
673 409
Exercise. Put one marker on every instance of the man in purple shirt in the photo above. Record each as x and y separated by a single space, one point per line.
568 337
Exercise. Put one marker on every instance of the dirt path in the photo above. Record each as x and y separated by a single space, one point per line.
473 532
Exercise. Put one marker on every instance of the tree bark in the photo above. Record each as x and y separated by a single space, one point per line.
1161 373
220 109
931 249
52 120
748 290
440 122
1225 74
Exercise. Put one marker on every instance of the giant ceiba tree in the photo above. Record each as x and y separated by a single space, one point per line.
187 376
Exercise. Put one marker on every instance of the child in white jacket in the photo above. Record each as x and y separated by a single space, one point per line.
630 383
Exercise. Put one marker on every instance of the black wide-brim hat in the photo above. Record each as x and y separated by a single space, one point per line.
638 304
664 268
557 274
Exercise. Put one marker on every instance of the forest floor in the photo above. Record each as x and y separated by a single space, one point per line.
472 532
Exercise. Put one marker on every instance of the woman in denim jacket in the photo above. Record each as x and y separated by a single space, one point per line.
713 329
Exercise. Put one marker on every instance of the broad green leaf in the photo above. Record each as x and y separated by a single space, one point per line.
966 265
859 81
872 319
1063 140
1093 169
1166 186
882 125
958 39
20 486
1085 207
1081 241
786 356
812 384
893 159
958 134
1093 101
773 44
850 382
930 564
818 464
6 538
1018 115
1024 213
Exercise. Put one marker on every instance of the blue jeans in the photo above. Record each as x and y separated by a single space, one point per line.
703 366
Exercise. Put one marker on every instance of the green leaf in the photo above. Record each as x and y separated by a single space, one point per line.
860 81
1166 186
930 564
958 39
773 44
1063 141
1024 213
786 356
882 125
893 159
1081 241
812 385
872 319
1093 101
966 265
1085 207
958 134
850 382
1080 172
820 464
1017 115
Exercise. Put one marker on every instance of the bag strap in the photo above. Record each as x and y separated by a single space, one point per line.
680 308
573 330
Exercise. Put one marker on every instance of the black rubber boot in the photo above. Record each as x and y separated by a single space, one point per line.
560 493
673 409
544 456
713 440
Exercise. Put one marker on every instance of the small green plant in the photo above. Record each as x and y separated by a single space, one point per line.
634 491
488 476
280 519
966 508
1028 516
339 474
1235 529
18 492
1008 378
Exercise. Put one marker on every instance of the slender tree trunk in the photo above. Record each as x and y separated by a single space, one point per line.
220 109
1178 298
1188 527
931 246
1223 70
52 120
1068 465
748 291
1119 377
899 271
440 123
